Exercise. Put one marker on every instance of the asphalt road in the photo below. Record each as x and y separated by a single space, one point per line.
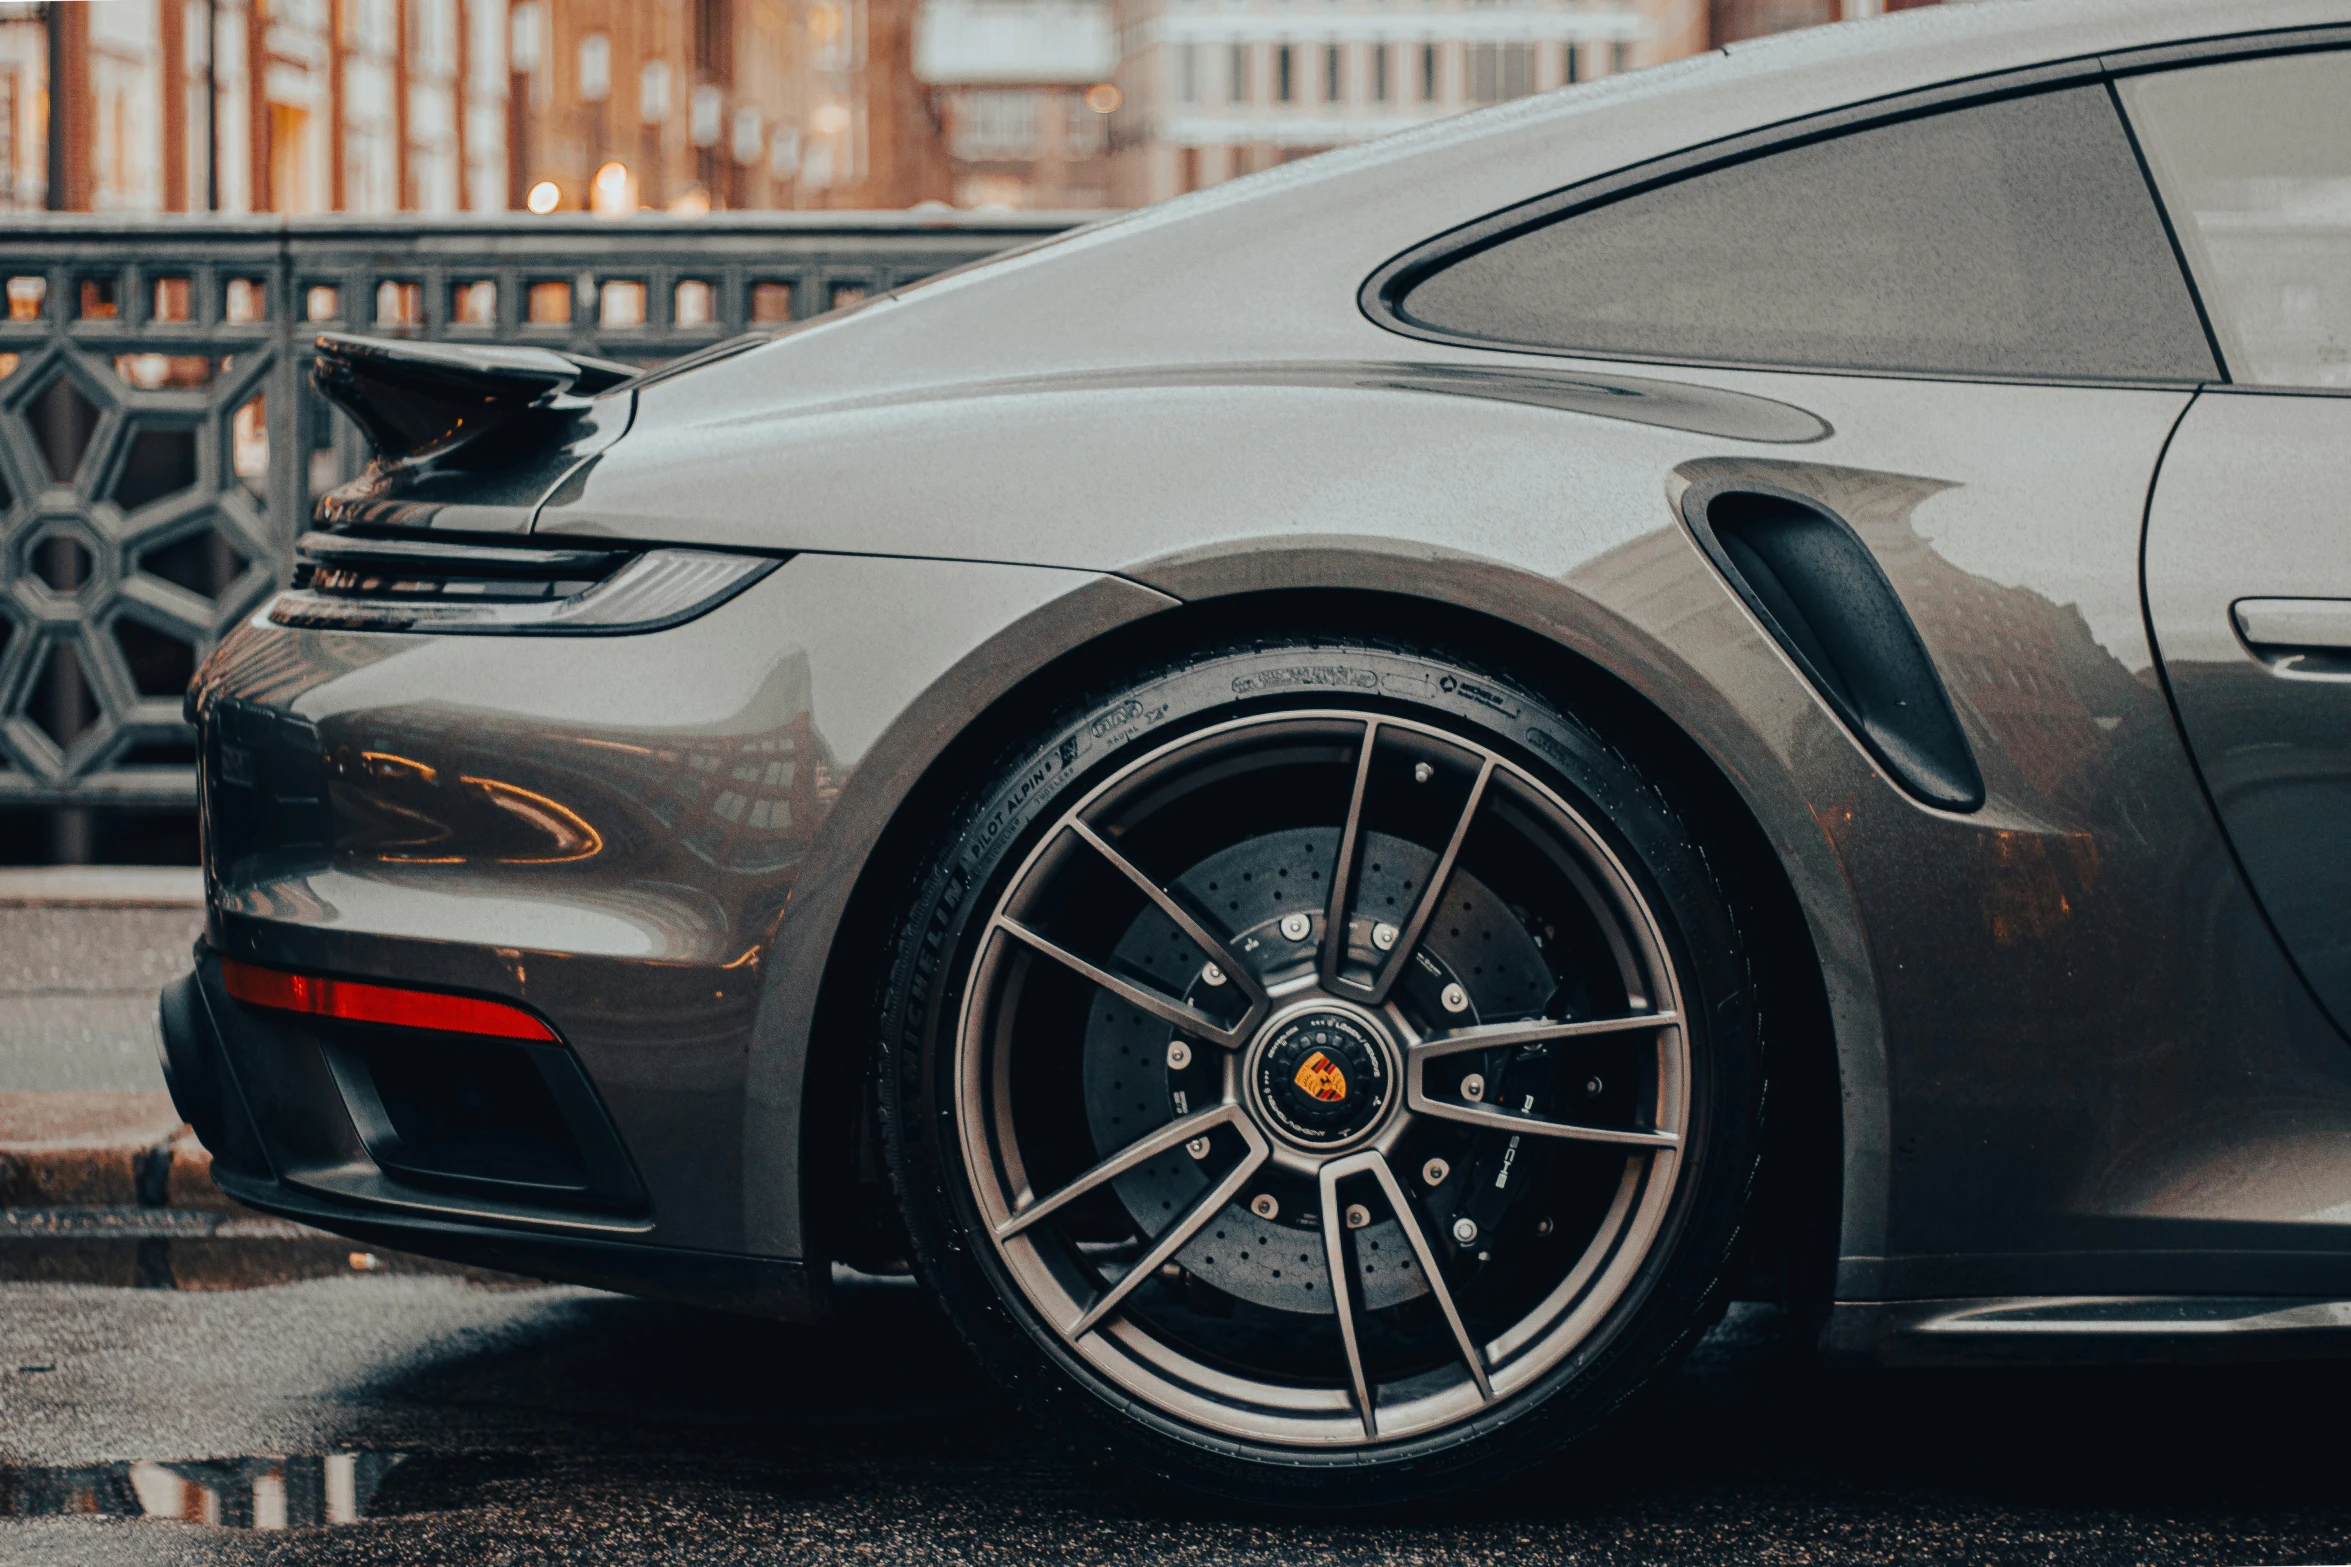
560 1425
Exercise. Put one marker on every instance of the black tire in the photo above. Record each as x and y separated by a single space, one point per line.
1663 1305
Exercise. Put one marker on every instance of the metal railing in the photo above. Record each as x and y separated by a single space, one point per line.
160 444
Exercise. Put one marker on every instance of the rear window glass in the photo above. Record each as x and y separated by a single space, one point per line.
2254 158
2015 238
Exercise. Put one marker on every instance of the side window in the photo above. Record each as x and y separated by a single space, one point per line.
2015 238
2254 161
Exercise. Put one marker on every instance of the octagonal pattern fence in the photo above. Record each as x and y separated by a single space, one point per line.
160 444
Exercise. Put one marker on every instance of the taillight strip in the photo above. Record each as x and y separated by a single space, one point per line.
353 1001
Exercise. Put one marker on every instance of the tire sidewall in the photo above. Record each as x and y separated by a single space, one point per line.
1664 1305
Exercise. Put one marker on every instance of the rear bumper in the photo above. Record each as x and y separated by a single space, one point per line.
298 1146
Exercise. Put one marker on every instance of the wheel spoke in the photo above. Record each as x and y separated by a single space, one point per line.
1157 1003
1433 893
1334 924
1334 1229
1495 1117
1410 1220
1173 1135
1169 1243
1535 1031
1373 1163
1186 921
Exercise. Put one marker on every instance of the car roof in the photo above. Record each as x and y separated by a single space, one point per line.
1269 265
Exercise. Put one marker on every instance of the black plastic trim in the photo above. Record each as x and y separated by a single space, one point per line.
203 1087
610 1177
779 1287
1821 594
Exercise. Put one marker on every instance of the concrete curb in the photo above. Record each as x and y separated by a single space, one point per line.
99 1181
111 1188
103 886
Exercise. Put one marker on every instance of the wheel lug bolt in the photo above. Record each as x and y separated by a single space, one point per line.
1454 997
1295 927
1473 1088
1211 975
1264 1206
1179 1055
1593 1086
1544 1226
1383 935
1422 772
1357 1216
1435 1171
1465 1230
1197 1147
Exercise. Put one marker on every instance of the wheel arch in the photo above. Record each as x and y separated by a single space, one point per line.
1570 648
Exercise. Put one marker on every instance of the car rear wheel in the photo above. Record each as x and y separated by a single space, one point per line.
1327 1072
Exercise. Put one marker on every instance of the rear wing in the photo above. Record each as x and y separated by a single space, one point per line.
415 400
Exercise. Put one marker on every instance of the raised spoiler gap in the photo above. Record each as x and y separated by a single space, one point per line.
414 400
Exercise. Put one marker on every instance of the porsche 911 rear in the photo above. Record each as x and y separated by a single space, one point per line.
1339 808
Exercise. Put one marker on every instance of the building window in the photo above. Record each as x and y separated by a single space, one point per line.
1485 73
1084 132
1332 84
399 304
770 303
1379 73
1499 71
620 302
1188 72
547 304
696 304
1518 70
474 303
595 82
1620 57
997 125
1237 73
1428 73
1575 63
1285 74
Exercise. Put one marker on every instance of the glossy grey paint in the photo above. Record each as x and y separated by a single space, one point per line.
2070 1052
546 819
2251 506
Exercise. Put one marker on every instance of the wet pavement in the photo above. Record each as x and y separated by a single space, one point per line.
429 1420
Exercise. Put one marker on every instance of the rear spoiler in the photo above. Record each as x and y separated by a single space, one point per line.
417 399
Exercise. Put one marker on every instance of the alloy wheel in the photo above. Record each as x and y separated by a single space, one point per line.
1322 1079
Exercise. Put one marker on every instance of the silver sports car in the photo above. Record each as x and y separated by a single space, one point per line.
1339 807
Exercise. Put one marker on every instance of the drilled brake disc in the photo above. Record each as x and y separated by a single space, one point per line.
1131 1086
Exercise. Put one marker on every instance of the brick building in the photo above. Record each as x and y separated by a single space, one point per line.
462 105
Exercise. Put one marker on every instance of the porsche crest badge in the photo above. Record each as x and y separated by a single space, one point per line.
1320 1076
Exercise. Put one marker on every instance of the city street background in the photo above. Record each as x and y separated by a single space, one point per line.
438 106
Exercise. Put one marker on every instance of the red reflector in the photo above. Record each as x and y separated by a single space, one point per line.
354 1002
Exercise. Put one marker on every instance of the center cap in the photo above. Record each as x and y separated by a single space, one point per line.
1322 1077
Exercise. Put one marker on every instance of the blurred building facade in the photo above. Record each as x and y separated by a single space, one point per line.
462 105
734 104
1215 88
1732 20
1022 90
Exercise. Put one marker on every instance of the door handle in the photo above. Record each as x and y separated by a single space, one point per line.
2297 636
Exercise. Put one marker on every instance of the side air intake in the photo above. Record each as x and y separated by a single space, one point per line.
1821 595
